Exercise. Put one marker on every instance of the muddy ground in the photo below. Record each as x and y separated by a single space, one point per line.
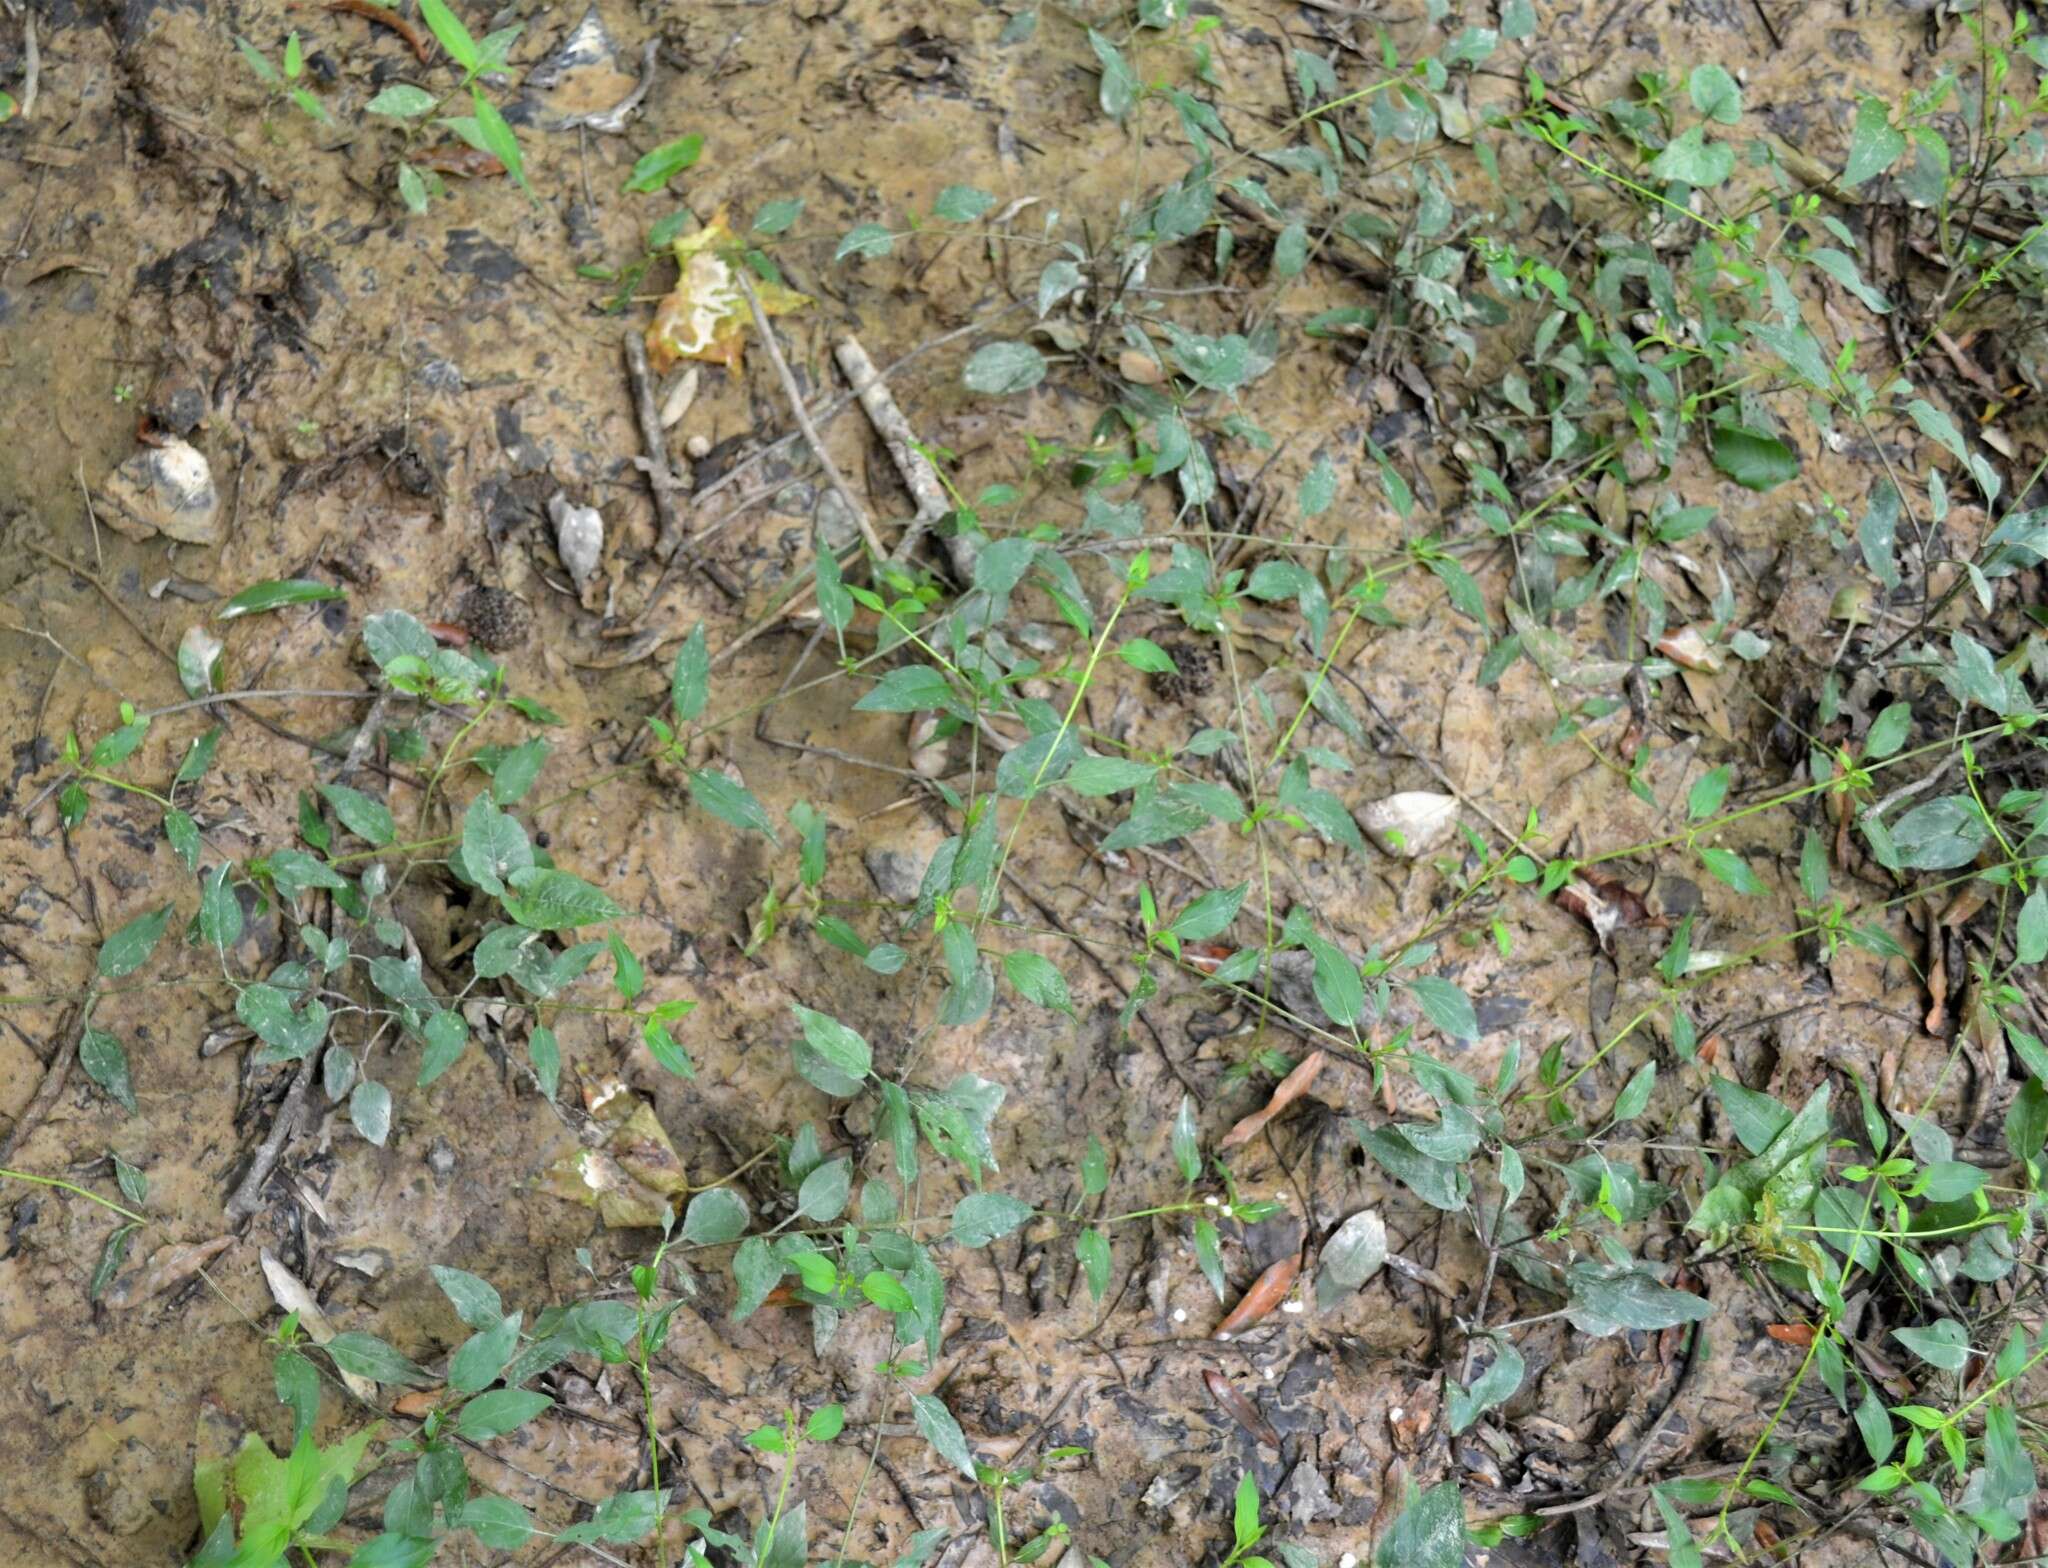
388 403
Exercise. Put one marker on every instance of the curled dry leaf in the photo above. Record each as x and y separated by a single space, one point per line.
1800 1334
632 1177
292 1296
1606 905
1291 1088
1689 649
167 1266
1233 1402
1267 1292
706 316
1410 823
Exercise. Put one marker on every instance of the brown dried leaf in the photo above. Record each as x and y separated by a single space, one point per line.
1290 1089
1240 1409
1267 1292
1800 1334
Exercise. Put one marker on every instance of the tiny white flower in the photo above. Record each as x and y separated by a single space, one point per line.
1396 1413
1211 1201
1227 1213
1180 1314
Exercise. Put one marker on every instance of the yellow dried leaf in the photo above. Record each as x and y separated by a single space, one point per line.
705 317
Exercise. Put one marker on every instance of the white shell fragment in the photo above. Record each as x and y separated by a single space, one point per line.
1411 823
579 537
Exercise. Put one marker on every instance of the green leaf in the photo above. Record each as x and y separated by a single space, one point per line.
446 1034
368 818
842 1047
1187 1146
731 803
1037 980
366 1355
128 949
717 1214
1429 1533
936 1422
106 1064
1091 1248
907 690
885 1291
2030 939
1888 731
498 138
1874 146
961 204
1715 93
494 845
481 1357
544 899
689 684
983 1217
545 1054
1708 791
1318 488
656 167
1142 653
1210 914
1944 1343
1635 1094
254 600
1119 88
1492 1387
412 189
500 1411
1693 160
1940 835
1244 1513
369 1111
496 1522
777 217
1608 1298
1098 776
1439 1183
1731 868
454 37
1754 459
112 1255
866 239
1000 369
402 101
265 71
1446 1006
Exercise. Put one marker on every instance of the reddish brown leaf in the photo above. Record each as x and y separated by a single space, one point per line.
459 159
383 16
1267 1292
1208 957
1800 1334
1228 1396
1291 1088
417 1402
1688 646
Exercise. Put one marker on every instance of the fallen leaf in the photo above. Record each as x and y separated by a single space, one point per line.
167 1266
1240 1409
706 317
1800 1334
630 1177
416 1402
291 1295
1267 1292
1290 1089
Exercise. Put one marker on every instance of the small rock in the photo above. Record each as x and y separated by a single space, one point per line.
165 490
579 537
496 618
1411 823
178 404
896 876
698 446
1304 1498
441 1157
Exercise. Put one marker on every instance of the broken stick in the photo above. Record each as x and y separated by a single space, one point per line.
660 477
919 477
812 439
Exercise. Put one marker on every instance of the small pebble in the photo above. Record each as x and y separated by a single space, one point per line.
697 446
441 1157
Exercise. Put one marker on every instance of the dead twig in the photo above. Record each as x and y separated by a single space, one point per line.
661 478
879 404
55 1076
802 415
248 1196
